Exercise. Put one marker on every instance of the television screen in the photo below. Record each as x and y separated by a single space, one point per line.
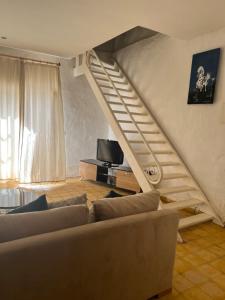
109 151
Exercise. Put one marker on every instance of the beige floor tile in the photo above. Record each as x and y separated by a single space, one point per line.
195 276
213 290
218 251
220 280
219 264
209 271
196 293
195 259
181 283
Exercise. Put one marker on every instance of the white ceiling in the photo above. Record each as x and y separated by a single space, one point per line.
69 27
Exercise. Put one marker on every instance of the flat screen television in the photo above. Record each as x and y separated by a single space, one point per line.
109 152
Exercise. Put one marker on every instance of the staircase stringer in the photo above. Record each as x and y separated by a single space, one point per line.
122 139
211 209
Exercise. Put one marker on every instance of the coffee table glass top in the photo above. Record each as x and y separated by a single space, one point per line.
12 198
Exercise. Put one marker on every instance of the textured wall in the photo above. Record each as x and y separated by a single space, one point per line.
83 118
160 69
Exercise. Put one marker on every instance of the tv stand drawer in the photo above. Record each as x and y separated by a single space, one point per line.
126 180
88 171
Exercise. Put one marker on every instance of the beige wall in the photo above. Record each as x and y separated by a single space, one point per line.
83 118
160 69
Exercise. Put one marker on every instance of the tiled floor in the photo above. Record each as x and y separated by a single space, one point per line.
200 262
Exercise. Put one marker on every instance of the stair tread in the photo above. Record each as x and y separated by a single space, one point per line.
112 88
182 204
150 142
162 163
103 74
132 113
102 79
99 66
163 152
194 220
142 131
131 122
177 189
121 104
174 175
116 96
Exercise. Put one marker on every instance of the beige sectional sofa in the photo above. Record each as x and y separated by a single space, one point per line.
130 257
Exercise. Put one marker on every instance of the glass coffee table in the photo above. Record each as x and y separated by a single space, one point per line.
13 198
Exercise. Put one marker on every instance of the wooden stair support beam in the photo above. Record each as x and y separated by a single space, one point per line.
181 204
194 220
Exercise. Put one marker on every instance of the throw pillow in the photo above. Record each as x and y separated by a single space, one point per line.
16 226
113 194
78 200
125 206
36 205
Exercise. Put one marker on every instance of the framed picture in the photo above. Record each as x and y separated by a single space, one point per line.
203 76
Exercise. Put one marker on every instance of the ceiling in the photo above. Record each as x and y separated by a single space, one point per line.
69 27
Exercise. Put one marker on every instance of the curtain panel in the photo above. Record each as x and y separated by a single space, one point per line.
32 147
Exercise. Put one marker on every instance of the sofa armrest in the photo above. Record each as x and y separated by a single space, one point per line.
127 258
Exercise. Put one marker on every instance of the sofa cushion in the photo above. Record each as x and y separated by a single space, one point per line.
77 200
16 226
36 205
124 206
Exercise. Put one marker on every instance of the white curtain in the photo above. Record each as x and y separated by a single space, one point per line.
32 135
10 70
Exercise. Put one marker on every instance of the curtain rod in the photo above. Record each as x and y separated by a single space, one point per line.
30 59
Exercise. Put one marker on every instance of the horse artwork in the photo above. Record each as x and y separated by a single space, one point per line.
203 77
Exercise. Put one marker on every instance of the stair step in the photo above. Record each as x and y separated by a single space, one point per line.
120 103
120 82
149 142
102 79
145 123
175 190
143 131
163 152
174 176
120 112
194 220
118 89
103 74
132 113
182 204
106 65
142 152
162 163
137 122
107 68
138 114
124 97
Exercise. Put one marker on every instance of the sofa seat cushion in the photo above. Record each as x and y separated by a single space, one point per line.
16 226
124 206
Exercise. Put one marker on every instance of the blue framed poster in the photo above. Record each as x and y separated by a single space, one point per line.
203 77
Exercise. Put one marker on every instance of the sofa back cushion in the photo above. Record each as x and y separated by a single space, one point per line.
76 200
124 206
16 226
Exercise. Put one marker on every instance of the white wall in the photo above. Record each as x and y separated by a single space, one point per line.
159 68
83 118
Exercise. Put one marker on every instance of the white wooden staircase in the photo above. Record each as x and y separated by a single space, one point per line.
154 161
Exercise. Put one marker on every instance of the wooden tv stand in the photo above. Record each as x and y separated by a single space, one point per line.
119 177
